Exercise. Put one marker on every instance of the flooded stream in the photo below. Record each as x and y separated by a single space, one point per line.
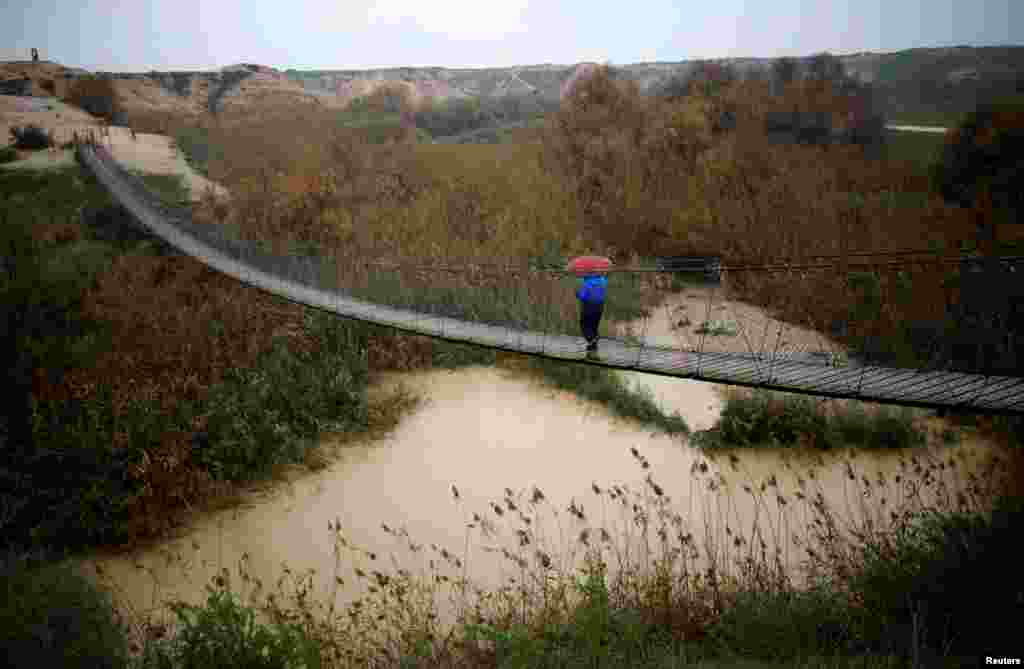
485 430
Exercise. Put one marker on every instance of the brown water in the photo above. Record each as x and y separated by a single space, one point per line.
484 430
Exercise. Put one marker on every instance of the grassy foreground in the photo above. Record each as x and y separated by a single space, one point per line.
643 587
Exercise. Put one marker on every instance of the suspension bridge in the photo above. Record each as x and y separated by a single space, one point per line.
782 366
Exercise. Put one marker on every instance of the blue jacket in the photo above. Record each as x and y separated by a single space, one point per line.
593 289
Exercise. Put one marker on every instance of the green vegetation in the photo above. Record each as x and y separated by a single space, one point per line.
765 418
212 383
921 149
71 465
980 163
599 385
935 119
257 410
53 616
717 328
357 117
193 141
8 154
255 420
886 594
482 118
170 187
224 633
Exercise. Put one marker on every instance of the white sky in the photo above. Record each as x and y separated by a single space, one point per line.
358 34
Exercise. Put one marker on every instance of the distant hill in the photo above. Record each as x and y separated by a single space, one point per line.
929 85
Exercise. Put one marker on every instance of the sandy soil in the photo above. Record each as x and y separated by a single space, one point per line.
143 152
676 321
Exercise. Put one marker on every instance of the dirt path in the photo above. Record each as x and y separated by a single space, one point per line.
155 154
917 128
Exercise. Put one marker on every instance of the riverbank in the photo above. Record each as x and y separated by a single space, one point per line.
438 479
464 480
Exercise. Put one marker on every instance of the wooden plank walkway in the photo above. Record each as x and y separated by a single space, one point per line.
800 374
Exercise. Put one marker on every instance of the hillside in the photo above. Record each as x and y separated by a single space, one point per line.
916 85
914 82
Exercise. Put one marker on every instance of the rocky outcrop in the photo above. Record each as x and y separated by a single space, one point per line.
227 81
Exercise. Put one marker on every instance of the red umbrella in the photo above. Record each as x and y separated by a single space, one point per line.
590 265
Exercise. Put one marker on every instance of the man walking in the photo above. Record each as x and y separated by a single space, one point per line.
591 295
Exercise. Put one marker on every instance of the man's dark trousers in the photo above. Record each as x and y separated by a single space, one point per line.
590 318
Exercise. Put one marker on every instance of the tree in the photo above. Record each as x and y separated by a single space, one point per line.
98 96
710 78
675 87
984 159
785 70
826 67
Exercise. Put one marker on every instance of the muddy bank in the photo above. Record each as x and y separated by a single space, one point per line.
484 430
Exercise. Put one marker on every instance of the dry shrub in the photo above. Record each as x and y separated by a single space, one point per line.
157 122
301 177
98 96
654 177
161 310
627 160
171 484
389 98
397 351
179 327
489 203
327 185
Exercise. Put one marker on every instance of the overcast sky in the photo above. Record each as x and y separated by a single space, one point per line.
354 34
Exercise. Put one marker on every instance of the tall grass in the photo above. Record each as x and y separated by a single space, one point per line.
630 581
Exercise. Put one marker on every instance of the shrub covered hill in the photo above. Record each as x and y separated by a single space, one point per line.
927 85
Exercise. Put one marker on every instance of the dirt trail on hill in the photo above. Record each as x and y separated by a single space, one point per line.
143 152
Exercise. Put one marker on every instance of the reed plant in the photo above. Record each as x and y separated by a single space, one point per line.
629 580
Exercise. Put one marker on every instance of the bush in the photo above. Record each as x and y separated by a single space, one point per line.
8 154
983 159
768 418
99 97
224 633
923 580
783 625
52 616
75 490
272 413
31 137
628 160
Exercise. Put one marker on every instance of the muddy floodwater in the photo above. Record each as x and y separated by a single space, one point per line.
485 430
